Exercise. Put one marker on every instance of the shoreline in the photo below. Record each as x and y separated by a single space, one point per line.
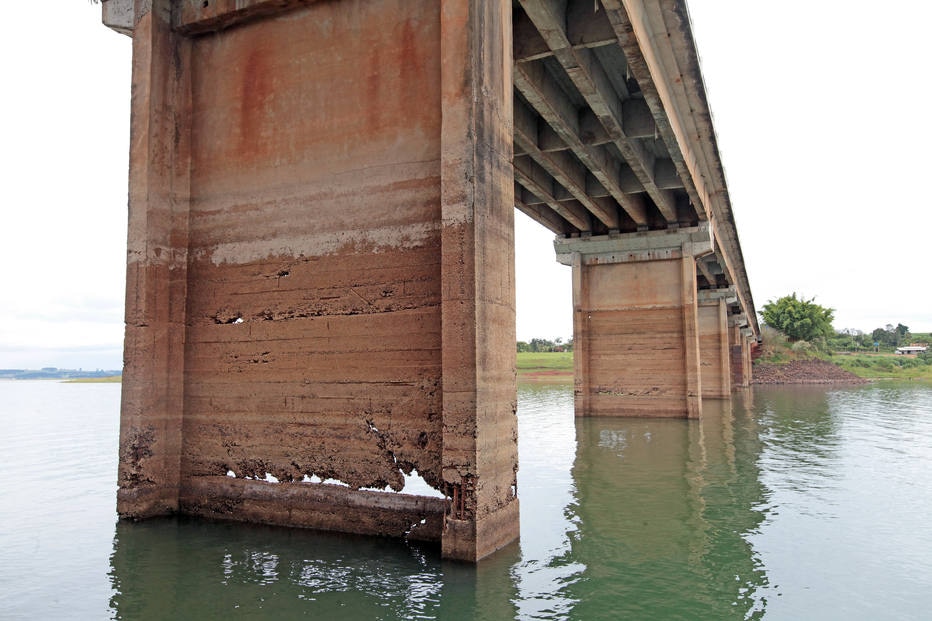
803 372
795 372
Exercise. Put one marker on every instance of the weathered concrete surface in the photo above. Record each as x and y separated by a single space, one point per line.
325 507
313 341
321 278
714 364
153 405
480 434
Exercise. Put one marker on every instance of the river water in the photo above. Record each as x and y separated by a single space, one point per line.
785 503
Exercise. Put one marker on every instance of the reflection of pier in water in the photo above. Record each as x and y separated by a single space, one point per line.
178 568
645 518
667 506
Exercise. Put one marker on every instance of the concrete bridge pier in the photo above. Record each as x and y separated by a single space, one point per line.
749 345
739 340
714 346
320 271
636 322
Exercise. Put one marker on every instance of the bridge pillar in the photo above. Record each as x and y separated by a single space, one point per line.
636 326
321 276
748 346
152 405
714 350
740 351
480 433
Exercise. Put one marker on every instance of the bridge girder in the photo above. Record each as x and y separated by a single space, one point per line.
610 105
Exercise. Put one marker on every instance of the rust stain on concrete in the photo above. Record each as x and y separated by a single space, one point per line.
291 271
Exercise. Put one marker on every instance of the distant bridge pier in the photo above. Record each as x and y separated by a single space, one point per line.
714 345
636 322
741 340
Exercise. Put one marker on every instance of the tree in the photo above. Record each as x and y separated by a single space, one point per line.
798 318
890 336
541 345
902 334
884 337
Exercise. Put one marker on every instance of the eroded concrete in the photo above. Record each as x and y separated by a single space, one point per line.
320 278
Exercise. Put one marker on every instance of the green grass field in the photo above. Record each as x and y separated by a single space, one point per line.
530 362
885 366
868 366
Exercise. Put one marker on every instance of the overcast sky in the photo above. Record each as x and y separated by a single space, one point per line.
820 107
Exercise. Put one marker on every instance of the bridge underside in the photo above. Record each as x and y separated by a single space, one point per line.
320 265
615 153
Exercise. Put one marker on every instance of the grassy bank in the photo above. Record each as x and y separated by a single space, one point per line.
549 361
111 379
885 366
551 366
874 366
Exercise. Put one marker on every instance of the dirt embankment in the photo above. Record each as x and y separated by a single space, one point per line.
546 376
803 372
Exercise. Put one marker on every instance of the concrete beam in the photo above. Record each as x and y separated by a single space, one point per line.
530 175
637 119
729 294
589 77
582 32
634 247
119 15
539 89
703 268
197 16
566 170
540 212
666 176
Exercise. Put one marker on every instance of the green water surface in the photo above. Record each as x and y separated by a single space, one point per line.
785 503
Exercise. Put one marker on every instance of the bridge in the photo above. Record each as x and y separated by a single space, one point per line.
320 276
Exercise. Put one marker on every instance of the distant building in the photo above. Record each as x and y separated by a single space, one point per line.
911 349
